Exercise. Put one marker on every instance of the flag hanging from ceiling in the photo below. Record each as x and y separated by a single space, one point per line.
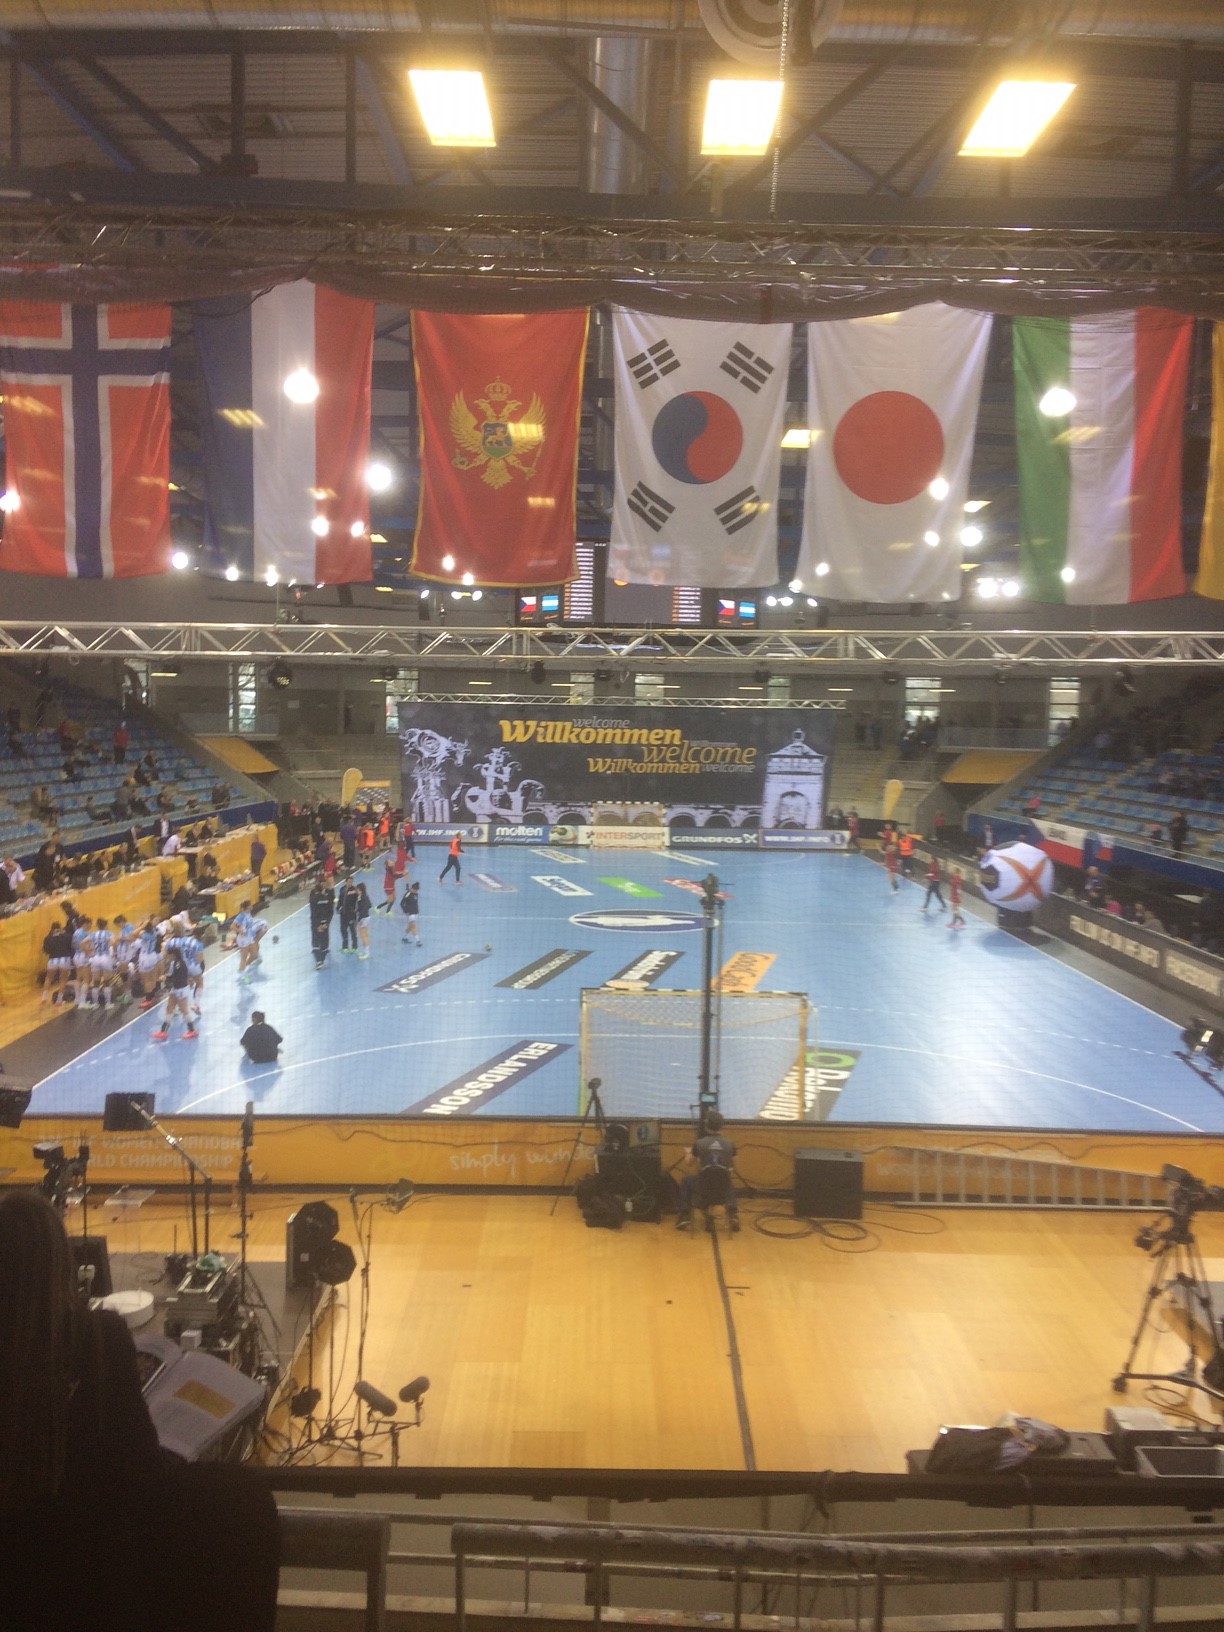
285 380
699 409
892 406
1210 580
499 398
86 439
1100 481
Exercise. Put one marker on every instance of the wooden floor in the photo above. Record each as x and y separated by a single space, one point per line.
552 1345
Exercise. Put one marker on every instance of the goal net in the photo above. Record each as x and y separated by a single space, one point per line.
645 1047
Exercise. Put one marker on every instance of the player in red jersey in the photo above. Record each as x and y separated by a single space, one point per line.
957 920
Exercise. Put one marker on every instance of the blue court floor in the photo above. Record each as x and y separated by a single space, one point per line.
968 1027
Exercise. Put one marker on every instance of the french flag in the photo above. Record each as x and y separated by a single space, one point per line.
285 380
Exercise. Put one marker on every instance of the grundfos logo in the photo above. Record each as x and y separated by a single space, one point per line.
642 918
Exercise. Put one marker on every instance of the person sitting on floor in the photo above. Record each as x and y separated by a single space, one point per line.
260 1041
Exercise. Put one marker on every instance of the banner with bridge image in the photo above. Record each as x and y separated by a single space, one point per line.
687 770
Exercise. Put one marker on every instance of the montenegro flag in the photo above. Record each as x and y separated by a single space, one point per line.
498 399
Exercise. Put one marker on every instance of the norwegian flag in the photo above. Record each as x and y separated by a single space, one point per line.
87 439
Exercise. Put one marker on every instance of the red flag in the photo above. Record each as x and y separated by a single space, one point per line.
498 399
87 439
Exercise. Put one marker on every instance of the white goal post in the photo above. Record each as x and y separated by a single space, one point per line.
645 1048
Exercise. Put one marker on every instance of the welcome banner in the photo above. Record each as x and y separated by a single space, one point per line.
682 768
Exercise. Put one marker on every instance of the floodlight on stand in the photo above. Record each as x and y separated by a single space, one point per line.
454 106
740 117
1018 111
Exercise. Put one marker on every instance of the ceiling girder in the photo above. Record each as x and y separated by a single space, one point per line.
793 651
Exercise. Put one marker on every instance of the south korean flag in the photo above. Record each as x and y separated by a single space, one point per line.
699 411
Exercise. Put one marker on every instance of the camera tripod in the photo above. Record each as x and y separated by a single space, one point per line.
594 1113
1177 1266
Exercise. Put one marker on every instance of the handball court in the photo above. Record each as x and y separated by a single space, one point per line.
551 1345
969 1027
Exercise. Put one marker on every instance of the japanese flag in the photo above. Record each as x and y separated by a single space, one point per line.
892 408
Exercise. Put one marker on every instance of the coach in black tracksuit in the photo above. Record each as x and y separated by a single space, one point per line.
322 910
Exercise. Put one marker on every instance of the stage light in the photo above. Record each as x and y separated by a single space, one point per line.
1010 587
972 506
357 529
180 560
301 387
477 594
812 601
797 437
231 573
378 476
740 116
271 577
320 526
939 488
390 674
786 600
423 595
280 675
1017 113
468 578
454 106
1067 574
822 569
930 537
795 585
537 674
10 500
448 563
1057 402
760 677
988 588
971 537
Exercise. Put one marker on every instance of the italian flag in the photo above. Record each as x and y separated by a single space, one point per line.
1100 485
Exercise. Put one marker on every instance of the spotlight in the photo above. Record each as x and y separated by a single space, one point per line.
537 674
231 573
180 560
301 387
389 674
760 677
280 675
378 476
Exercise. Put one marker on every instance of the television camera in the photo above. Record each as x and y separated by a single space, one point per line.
1187 1196
61 1174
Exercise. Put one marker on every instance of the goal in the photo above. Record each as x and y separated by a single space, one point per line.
645 1047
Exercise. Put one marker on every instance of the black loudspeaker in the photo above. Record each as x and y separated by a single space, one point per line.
636 1175
308 1233
121 1116
14 1102
828 1184
89 1252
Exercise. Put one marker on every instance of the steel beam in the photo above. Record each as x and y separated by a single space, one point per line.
389 139
793 652
658 156
84 115
155 121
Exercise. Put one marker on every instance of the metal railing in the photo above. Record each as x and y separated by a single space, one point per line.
875 1572
971 1178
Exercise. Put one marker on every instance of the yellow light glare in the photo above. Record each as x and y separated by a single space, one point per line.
740 115
797 437
454 106
1017 113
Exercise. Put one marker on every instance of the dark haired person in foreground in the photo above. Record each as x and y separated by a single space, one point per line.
101 1529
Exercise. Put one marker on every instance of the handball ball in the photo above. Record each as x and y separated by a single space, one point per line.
488 946
276 940
1017 876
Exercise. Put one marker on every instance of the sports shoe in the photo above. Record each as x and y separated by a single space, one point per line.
159 1036
190 1033
734 1223
363 955
148 1003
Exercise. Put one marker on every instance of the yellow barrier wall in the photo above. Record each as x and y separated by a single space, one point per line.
301 1152
136 895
